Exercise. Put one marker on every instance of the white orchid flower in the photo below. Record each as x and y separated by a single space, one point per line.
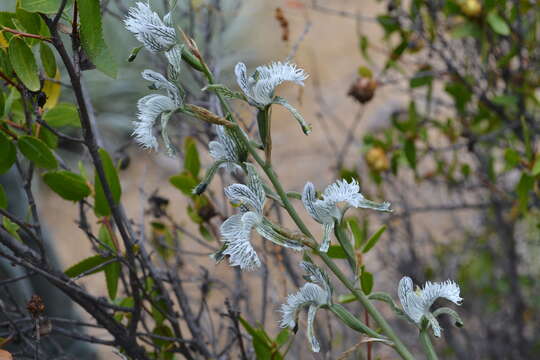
314 294
259 88
155 34
236 230
154 107
326 210
417 303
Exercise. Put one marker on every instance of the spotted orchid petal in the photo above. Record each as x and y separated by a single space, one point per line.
236 234
149 29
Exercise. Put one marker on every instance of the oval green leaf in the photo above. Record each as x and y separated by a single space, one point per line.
42 6
498 24
9 153
101 206
63 114
23 62
47 59
68 185
86 265
374 239
37 151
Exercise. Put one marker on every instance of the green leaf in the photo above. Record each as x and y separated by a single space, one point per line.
9 153
372 241
421 78
42 6
101 206
191 157
358 234
410 152
47 59
184 182
30 23
282 337
92 41
524 186
63 114
86 265
23 62
536 167
11 228
366 281
364 71
37 151
112 275
498 24
336 252
261 343
511 157
389 23
68 185
3 198
162 330
466 29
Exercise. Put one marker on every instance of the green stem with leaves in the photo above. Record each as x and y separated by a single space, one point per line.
272 176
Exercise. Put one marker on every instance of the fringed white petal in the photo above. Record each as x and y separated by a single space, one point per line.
259 88
341 190
447 289
236 233
149 29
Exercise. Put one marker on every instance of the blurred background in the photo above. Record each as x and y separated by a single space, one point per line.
431 105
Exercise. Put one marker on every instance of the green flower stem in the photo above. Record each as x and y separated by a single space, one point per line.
427 345
269 171
375 314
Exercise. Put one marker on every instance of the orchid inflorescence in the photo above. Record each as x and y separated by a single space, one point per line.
230 151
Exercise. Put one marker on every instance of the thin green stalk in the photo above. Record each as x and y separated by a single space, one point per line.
269 171
427 345
364 300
